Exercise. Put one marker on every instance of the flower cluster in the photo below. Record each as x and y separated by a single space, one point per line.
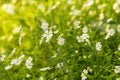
110 32
16 61
116 6
84 37
98 46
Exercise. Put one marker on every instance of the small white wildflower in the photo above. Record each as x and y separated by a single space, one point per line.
8 67
76 51
41 7
75 12
29 63
56 31
83 75
117 78
2 58
9 8
117 69
46 68
44 26
110 19
83 38
85 71
17 61
59 65
76 24
116 7
28 75
101 16
61 40
48 35
110 32
98 46
55 55
17 29
85 30
41 78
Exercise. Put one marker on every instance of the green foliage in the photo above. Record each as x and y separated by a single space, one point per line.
65 50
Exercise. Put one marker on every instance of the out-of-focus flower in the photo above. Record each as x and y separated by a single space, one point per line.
48 35
101 16
98 46
110 32
60 40
2 58
17 61
117 78
44 26
87 4
59 65
117 69
41 78
9 8
83 38
116 6
84 73
110 19
76 24
28 75
85 30
8 67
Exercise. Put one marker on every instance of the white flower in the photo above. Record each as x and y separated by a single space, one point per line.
85 71
17 61
117 69
44 26
75 12
61 40
110 32
83 38
48 35
98 46
85 30
101 16
55 55
119 48
76 24
46 68
2 58
83 75
29 62
117 78
9 8
59 65
28 75
116 7
8 67
110 19
41 7
41 78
